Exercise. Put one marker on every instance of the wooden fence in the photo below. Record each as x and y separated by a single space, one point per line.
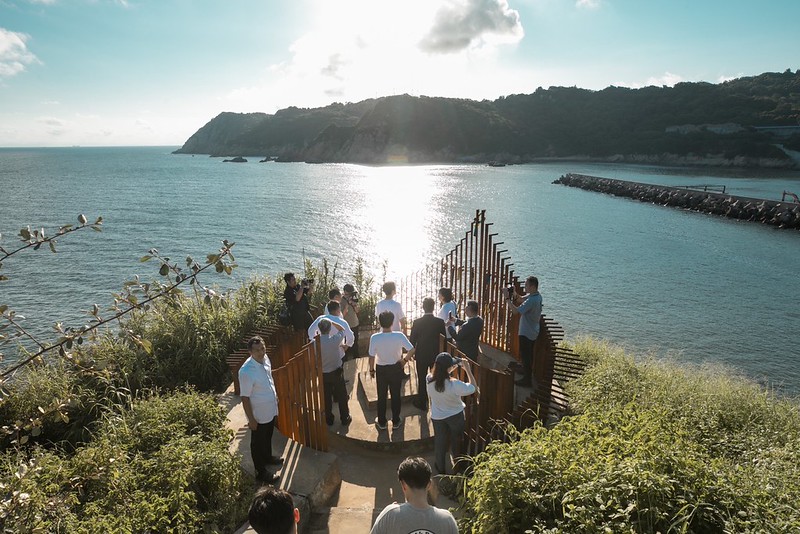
477 268
301 409
297 371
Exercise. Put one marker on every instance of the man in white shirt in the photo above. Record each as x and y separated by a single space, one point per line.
386 366
334 315
260 403
391 305
415 515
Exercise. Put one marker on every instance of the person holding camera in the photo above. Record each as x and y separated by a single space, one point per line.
447 408
296 297
469 332
530 313
350 311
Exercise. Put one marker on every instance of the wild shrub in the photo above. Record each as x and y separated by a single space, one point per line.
189 337
130 480
652 447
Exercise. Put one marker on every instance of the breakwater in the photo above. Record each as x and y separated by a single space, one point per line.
780 214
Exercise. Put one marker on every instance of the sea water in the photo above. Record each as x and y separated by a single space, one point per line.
679 284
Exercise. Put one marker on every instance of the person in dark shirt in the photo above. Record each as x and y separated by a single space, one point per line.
425 334
296 297
469 332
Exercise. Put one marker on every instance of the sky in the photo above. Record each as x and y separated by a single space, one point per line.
152 72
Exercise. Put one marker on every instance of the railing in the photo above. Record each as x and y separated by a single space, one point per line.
478 269
704 187
301 415
297 371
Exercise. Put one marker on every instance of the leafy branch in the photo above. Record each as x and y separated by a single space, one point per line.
37 237
222 261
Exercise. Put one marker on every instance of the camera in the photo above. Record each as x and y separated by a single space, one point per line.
354 296
307 282
510 290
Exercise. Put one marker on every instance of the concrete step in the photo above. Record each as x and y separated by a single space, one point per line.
341 519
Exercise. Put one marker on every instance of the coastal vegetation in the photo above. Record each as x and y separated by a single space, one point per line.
652 446
117 428
123 432
716 124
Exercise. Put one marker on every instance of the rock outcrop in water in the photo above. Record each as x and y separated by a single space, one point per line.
780 214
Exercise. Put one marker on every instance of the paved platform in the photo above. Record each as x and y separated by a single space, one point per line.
345 489
312 477
416 434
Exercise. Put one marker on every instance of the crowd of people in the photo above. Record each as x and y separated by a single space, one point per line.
439 388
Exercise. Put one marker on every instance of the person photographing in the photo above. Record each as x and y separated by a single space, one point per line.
529 308
447 408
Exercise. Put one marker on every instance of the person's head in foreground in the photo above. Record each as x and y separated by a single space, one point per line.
273 512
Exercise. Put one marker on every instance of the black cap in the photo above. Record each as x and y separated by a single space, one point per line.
444 359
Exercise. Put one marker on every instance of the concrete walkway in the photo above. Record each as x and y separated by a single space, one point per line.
342 490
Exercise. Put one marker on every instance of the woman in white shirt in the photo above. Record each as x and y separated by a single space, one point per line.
447 408
448 306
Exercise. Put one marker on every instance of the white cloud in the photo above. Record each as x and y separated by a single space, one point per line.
45 2
51 121
53 126
14 53
358 49
464 23
587 4
669 79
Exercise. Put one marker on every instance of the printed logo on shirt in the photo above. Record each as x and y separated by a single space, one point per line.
422 531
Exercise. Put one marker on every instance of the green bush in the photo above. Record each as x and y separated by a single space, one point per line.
652 447
191 337
129 479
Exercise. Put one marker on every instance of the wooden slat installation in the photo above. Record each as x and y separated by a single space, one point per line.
300 408
478 268
281 343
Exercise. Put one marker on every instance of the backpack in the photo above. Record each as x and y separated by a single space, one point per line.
285 315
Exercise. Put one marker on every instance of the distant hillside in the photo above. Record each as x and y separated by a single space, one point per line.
698 123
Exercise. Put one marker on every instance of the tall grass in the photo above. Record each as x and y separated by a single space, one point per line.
653 447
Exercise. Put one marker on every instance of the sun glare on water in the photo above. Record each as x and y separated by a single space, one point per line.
399 205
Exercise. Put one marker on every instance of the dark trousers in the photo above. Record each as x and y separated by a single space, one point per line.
422 383
261 445
526 347
390 379
352 352
448 434
335 391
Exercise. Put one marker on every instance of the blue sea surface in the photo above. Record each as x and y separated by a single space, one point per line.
690 286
